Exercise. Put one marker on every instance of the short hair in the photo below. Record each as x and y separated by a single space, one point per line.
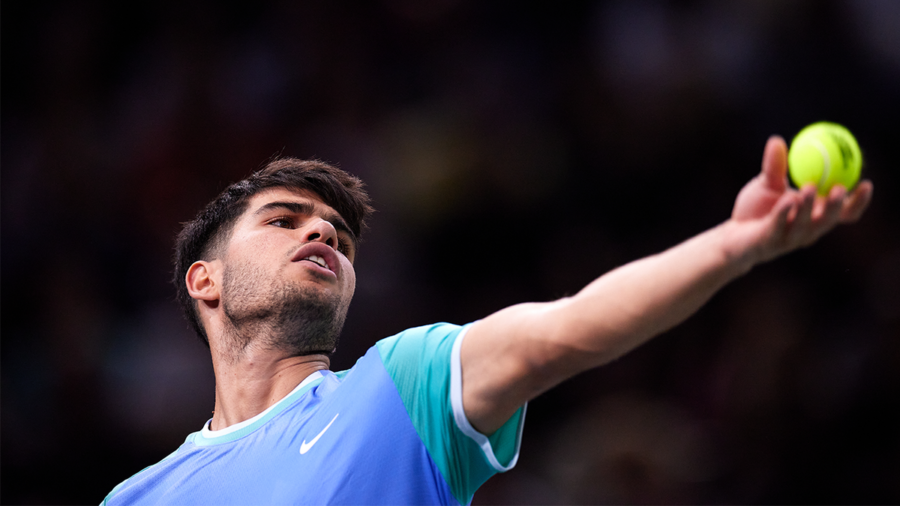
202 238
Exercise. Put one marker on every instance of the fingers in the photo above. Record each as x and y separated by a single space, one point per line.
856 204
774 166
810 217
785 211
826 213
828 210
802 217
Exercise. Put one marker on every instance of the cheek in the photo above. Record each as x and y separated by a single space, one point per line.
256 247
349 276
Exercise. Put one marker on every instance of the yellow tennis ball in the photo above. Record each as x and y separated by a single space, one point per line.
825 154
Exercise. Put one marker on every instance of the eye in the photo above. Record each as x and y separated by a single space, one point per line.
282 222
345 246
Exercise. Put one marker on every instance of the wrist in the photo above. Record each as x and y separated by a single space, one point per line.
739 255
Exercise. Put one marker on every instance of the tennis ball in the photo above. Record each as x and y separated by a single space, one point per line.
825 154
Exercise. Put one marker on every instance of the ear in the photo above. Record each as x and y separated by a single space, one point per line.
201 281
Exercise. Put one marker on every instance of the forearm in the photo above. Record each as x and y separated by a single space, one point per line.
520 352
633 303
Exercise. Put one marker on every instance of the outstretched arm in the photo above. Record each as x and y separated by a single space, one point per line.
519 352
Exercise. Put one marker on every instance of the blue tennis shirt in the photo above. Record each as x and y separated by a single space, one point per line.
391 430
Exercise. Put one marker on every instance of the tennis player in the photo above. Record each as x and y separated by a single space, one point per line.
265 276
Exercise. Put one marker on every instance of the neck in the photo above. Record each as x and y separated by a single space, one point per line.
248 385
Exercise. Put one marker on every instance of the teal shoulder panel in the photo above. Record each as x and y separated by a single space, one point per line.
421 364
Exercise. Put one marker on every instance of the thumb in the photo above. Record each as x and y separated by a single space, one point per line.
774 165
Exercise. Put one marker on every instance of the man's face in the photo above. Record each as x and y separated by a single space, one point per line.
288 276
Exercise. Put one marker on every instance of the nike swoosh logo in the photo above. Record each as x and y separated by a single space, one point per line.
304 446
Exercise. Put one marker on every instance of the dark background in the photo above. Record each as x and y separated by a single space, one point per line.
514 153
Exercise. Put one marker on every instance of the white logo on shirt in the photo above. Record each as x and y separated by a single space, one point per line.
304 447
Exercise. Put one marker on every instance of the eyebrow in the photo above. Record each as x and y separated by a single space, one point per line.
308 209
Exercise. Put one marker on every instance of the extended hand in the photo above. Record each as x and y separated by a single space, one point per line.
770 218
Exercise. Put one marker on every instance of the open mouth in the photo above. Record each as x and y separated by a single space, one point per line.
319 254
316 259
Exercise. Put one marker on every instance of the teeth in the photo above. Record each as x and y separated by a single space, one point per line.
317 259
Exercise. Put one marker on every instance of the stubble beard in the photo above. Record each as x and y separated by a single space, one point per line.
277 315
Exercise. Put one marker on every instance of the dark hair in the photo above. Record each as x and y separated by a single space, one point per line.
201 238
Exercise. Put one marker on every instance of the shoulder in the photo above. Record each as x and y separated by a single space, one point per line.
420 343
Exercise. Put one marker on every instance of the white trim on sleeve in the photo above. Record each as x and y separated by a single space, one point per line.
459 414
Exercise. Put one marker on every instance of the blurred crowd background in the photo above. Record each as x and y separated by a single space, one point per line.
515 151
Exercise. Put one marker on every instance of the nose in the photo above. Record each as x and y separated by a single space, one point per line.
322 231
